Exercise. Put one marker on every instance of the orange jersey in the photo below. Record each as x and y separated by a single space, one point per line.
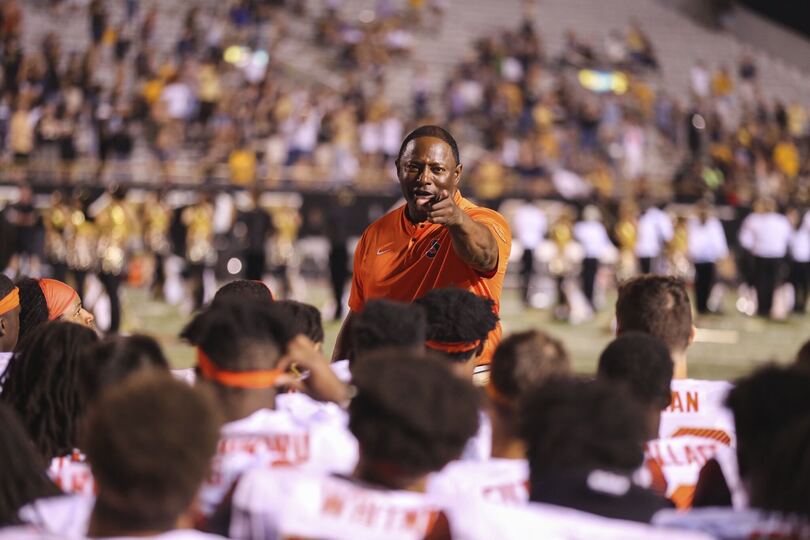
400 260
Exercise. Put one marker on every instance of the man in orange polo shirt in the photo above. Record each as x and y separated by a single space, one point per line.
436 239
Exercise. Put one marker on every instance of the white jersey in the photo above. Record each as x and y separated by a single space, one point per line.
479 447
342 370
727 459
187 375
25 532
482 520
680 460
497 480
67 516
730 524
698 409
72 474
286 503
277 438
180 534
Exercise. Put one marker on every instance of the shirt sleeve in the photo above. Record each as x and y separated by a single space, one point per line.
357 297
499 228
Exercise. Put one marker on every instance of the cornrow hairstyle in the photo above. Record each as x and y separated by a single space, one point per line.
411 411
114 359
304 319
33 308
42 385
23 476
431 131
229 331
458 316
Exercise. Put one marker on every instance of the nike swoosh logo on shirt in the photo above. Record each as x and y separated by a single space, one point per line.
381 251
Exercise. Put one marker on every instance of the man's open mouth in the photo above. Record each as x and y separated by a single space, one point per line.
423 196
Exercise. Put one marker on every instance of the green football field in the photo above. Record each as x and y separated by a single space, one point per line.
727 346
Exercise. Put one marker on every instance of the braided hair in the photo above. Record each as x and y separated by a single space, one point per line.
42 385
33 308
22 470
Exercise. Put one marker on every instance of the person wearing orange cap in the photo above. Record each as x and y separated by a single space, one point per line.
9 318
43 300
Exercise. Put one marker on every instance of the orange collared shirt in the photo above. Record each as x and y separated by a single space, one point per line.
400 260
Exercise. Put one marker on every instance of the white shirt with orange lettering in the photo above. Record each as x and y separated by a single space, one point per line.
72 474
483 520
496 479
698 409
680 460
316 439
66 516
286 503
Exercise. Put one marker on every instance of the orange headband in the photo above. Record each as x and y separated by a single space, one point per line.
10 301
58 297
237 379
453 347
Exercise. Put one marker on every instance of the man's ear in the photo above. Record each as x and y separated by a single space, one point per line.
3 323
692 335
457 172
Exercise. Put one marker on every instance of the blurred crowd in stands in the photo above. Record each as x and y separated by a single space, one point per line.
593 119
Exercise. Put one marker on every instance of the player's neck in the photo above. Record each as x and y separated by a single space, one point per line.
389 475
679 359
105 525
505 442
238 403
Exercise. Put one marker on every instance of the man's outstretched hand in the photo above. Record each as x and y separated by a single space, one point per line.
445 211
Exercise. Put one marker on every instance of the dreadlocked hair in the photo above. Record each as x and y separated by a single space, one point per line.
42 385
22 470
230 331
458 316
33 308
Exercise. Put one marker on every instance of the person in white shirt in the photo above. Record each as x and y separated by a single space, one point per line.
520 362
150 445
239 357
800 259
411 416
530 226
766 235
772 410
41 384
706 244
660 306
592 236
584 442
654 231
